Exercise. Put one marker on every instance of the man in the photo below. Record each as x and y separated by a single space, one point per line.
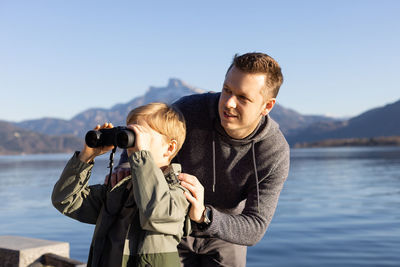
235 161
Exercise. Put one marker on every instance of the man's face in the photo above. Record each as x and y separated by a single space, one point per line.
241 104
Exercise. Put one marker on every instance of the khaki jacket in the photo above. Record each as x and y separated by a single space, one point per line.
139 222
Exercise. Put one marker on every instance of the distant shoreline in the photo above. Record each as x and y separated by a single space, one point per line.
346 142
352 142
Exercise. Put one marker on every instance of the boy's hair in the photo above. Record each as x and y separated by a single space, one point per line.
256 63
162 118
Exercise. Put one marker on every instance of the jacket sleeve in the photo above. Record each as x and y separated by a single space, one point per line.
73 197
162 208
249 227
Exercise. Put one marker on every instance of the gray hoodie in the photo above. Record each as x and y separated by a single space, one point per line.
242 179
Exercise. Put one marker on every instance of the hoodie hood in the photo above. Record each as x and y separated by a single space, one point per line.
264 128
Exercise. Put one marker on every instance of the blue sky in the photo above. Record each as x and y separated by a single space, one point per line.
58 58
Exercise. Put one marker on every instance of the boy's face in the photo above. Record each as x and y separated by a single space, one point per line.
151 140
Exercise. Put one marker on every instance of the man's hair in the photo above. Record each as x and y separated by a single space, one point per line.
162 118
260 63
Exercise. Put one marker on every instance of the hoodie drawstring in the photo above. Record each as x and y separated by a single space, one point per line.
256 175
254 167
213 156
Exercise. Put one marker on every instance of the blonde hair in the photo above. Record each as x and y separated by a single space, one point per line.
162 118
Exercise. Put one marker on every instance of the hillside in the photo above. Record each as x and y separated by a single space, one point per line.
15 140
372 141
377 122
291 122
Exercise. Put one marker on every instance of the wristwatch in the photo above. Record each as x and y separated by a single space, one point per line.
205 218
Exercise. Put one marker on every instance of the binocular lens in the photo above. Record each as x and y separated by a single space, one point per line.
92 138
125 138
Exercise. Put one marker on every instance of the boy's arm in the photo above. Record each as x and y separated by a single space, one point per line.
73 197
162 208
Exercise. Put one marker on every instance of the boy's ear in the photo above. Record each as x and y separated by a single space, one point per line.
172 147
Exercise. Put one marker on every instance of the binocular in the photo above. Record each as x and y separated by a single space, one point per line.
119 136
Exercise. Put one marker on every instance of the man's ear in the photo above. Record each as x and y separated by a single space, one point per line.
172 147
267 106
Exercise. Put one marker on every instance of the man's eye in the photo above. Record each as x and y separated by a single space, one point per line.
226 90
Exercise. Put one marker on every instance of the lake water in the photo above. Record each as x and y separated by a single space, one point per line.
339 207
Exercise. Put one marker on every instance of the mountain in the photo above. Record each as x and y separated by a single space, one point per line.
378 122
15 140
52 126
290 121
87 119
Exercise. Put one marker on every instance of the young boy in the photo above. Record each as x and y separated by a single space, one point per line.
141 220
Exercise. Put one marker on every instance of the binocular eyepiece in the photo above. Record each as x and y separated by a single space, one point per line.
119 136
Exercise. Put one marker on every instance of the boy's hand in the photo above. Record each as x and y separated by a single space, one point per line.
143 137
88 154
192 184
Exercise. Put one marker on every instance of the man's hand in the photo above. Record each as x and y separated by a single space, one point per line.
192 184
117 176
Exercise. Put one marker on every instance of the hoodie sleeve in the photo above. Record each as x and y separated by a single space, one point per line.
249 227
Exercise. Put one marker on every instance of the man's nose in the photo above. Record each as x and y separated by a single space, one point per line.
231 102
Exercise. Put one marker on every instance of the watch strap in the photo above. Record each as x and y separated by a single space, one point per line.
206 218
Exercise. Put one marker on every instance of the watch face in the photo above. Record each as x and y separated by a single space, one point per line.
207 215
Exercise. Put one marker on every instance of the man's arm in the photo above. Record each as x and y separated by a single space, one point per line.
249 227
